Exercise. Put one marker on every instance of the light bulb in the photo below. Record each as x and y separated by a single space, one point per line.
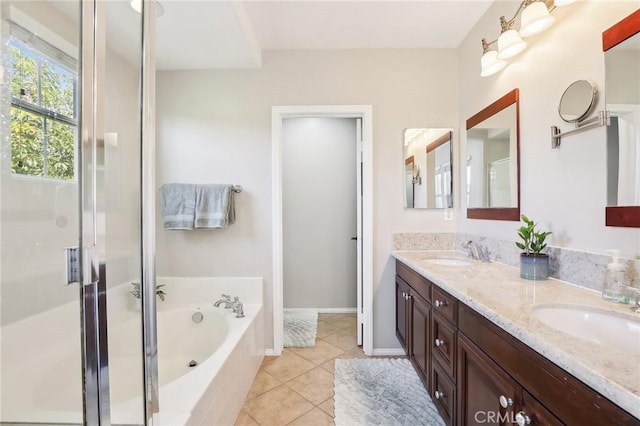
491 64
535 19
510 44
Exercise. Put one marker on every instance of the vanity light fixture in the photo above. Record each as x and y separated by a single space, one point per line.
489 61
509 42
534 16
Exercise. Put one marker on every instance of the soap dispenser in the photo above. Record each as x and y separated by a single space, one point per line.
614 280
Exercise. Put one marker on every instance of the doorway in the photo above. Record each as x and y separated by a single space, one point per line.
319 213
363 236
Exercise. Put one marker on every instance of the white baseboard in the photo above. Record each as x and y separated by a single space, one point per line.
270 352
388 352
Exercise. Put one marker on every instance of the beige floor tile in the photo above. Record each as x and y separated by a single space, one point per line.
277 407
244 419
355 352
315 417
287 366
325 329
322 352
324 317
343 321
262 383
344 339
328 407
329 365
315 385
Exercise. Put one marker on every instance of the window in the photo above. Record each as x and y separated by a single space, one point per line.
44 113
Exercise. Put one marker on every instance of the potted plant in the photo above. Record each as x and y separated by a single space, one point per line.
534 265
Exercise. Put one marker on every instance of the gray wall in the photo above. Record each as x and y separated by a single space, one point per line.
319 211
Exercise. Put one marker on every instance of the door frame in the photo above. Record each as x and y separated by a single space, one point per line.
365 113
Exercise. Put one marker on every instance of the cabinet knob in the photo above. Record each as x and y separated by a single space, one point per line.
440 342
404 295
522 419
505 402
440 303
438 394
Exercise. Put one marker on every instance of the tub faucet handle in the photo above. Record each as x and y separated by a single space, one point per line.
239 310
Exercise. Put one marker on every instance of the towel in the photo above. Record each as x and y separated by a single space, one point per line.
178 202
214 206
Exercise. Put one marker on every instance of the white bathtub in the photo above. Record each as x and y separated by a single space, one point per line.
40 364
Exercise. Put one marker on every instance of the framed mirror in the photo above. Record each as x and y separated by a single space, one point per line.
621 44
493 161
428 156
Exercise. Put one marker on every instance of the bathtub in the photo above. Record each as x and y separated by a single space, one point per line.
205 368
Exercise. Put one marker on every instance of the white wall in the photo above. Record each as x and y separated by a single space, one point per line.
319 212
563 189
215 126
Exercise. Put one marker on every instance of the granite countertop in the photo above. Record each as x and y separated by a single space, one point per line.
497 292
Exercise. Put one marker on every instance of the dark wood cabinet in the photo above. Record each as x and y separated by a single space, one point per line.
488 395
419 326
402 330
477 373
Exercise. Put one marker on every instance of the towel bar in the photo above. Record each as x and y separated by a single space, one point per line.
237 188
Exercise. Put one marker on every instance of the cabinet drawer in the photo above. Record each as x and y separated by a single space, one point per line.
443 343
444 393
445 304
419 283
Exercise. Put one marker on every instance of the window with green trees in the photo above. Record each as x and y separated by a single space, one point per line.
44 113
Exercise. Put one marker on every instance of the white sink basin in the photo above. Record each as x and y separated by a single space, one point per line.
449 261
618 331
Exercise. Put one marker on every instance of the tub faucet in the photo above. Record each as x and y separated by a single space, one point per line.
238 307
474 249
228 304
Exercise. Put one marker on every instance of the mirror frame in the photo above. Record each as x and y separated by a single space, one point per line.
499 213
623 216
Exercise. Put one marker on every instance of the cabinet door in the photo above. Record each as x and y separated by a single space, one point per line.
535 414
419 326
402 291
486 394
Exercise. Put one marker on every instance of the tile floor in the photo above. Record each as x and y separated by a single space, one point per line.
296 388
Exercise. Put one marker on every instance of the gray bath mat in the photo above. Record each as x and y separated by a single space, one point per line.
300 327
382 391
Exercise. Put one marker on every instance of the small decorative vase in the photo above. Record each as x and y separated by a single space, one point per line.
534 266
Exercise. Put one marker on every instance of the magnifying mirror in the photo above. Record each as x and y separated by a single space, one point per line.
577 101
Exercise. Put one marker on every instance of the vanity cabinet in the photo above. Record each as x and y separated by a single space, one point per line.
413 319
477 373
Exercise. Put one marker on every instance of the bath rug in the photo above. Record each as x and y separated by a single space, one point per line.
300 327
381 391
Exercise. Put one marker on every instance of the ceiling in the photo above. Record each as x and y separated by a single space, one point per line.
232 34
210 34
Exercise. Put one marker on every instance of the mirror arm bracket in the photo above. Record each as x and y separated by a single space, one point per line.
602 119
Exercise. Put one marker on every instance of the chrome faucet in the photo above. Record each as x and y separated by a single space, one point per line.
238 308
474 249
228 304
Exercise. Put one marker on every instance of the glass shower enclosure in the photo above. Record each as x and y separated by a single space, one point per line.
76 344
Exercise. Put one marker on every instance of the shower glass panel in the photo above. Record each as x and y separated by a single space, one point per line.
120 207
40 364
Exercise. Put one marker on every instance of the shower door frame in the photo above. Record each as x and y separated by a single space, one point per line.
92 280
